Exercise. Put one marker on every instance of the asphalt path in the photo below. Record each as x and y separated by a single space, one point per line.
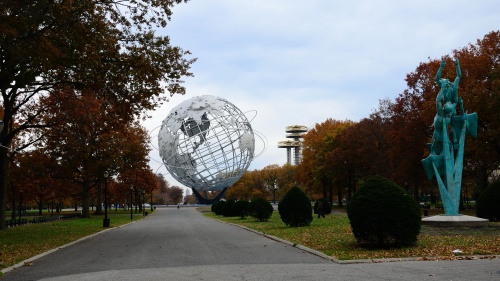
181 244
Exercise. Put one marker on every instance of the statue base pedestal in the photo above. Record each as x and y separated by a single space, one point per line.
452 221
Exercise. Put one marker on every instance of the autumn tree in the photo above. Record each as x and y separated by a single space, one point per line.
241 189
287 178
190 199
251 185
142 182
480 90
107 47
271 182
37 178
269 177
314 171
410 118
174 195
361 152
90 139
164 185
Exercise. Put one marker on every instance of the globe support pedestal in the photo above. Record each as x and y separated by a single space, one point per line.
207 201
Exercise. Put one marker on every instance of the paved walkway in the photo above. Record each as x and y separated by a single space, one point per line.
181 244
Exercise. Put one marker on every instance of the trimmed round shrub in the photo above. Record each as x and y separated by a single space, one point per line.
487 203
213 207
295 208
327 207
241 208
383 215
218 207
260 209
229 208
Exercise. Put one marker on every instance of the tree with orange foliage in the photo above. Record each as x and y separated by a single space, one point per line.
175 195
141 182
90 139
315 171
164 185
361 152
241 189
287 179
269 176
251 185
37 181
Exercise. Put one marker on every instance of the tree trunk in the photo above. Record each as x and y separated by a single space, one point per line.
339 197
330 193
85 200
13 198
40 207
461 202
4 163
98 209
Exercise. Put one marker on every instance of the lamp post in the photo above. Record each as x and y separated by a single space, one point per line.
131 198
105 222
151 202
274 191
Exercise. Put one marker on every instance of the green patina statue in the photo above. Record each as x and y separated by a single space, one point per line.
446 158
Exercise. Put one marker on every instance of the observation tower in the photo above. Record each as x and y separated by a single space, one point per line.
295 133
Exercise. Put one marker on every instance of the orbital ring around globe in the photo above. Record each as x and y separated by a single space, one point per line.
207 143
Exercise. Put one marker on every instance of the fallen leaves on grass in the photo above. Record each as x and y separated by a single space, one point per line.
333 236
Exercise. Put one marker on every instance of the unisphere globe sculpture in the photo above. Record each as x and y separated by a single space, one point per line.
206 143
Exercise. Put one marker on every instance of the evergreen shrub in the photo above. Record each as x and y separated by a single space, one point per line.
295 208
241 208
260 209
229 208
218 207
487 205
383 215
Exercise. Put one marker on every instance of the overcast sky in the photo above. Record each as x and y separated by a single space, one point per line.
301 62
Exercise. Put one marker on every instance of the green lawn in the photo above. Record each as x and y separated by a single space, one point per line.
333 237
22 242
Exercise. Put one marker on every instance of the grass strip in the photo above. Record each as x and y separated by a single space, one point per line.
22 242
333 237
